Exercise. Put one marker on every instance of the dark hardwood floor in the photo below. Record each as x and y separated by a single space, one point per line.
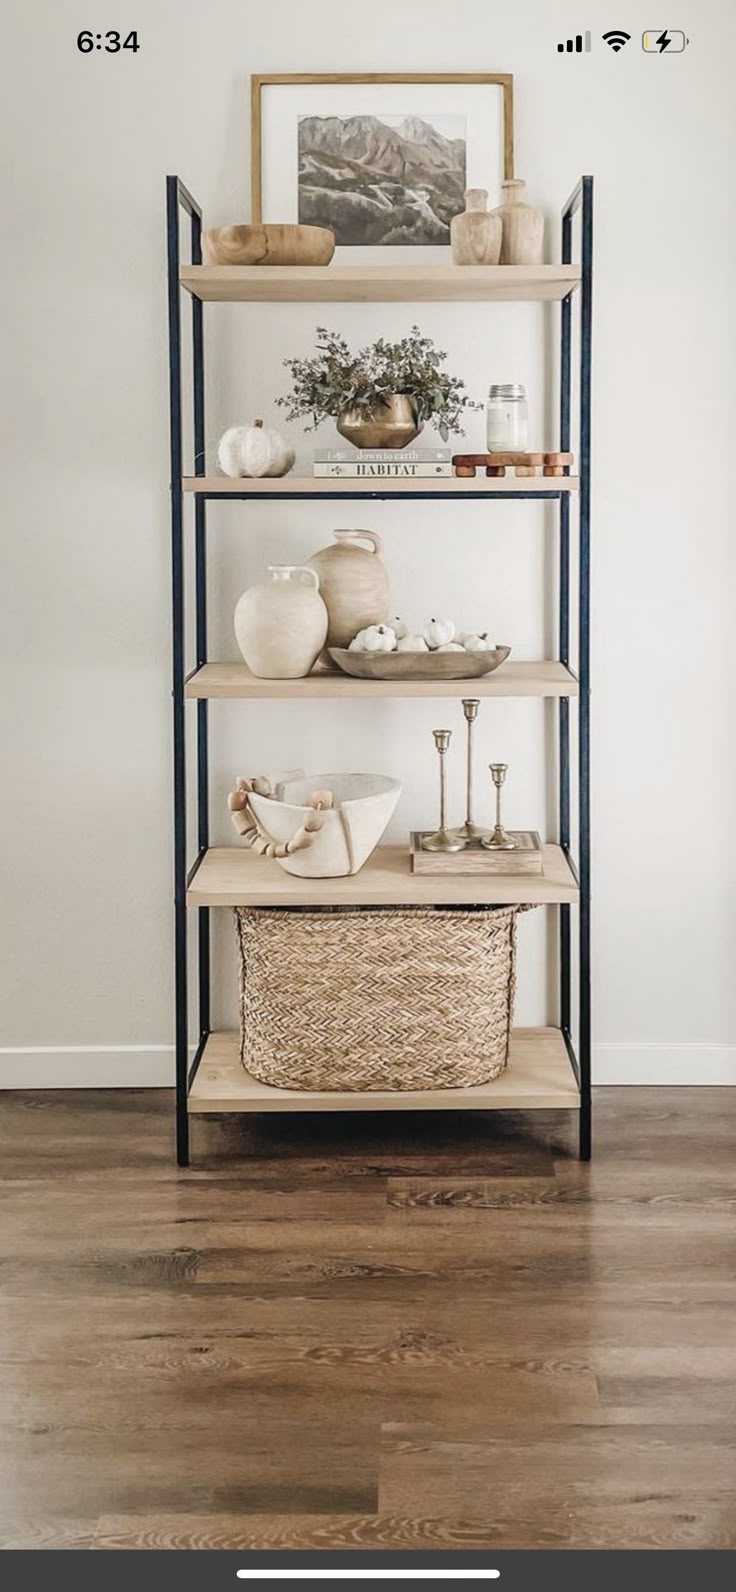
364 1331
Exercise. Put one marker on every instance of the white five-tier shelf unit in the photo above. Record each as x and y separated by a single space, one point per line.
549 1067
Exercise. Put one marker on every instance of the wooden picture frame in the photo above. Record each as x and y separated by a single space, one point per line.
262 81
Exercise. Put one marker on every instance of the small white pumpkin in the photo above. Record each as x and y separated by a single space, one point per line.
411 644
479 643
254 450
375 638
437 632
400 628
450 646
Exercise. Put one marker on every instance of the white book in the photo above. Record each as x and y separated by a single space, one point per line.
404 472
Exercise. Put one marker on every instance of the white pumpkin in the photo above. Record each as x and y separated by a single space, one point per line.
481 643
437 632
400 628
254 450
450 646
375 638
412 644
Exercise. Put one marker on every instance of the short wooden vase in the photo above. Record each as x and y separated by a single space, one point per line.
476 233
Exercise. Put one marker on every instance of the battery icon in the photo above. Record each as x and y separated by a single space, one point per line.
664 41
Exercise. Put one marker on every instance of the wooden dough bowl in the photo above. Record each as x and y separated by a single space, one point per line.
418 665
270 245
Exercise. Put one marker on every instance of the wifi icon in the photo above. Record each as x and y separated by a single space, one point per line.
616 38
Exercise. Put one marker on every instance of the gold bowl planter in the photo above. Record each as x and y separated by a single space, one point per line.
391 424
417 665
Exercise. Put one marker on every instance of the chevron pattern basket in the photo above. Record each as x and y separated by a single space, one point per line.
364 998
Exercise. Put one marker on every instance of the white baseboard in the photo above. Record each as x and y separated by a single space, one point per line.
152 1066
87 1067
676 1065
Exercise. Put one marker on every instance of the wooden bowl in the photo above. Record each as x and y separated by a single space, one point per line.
269 245
417 665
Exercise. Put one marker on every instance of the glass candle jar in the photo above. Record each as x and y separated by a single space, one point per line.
507 419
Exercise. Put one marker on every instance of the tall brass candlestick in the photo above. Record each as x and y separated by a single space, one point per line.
499 840
470 832
443 839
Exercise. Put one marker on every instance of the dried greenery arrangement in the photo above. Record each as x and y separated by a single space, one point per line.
334 380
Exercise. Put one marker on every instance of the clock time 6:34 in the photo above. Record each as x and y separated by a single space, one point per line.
110 42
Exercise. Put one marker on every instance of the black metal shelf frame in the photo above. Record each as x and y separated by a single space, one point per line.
178 199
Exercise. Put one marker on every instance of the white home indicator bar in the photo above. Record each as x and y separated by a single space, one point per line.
369 1575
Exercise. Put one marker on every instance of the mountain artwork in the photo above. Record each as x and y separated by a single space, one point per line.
382 179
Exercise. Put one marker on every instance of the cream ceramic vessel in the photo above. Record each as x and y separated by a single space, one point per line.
281 626
363 806
353 583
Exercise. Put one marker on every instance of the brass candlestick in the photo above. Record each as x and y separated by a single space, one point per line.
443 839
470 832
499 840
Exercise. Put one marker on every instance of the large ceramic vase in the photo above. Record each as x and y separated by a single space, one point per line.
522 239
475 234
353 584
391 424
281 626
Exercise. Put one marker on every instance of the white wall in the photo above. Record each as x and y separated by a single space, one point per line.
86 821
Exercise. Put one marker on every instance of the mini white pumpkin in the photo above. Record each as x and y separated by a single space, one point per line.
412 644
375 638
254 450
450 646
400 628
437 632
479 643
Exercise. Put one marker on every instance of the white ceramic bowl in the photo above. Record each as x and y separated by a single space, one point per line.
363 806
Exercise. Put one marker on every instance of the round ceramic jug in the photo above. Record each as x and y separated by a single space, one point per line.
522 238
475 234
353 583
281 625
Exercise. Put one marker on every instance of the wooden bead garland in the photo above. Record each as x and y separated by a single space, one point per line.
246 824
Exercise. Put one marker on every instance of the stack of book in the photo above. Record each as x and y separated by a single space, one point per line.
421 463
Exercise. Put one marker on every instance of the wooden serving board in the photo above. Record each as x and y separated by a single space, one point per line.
523 464
527 858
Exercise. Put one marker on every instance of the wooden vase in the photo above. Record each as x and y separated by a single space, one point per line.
476 233
522 238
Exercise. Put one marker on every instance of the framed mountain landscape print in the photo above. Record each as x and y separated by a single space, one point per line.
384 160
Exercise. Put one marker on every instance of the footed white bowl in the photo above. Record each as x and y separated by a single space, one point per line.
363 806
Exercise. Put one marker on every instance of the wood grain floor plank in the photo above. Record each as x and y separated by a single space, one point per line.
428 1332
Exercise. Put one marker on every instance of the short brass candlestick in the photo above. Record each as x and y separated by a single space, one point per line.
470 832
443 839
499 840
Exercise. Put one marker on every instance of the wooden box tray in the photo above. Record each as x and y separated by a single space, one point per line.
527 858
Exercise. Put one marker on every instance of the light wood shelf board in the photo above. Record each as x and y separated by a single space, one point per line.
379 284
376 486
226 680
539 1077
229 877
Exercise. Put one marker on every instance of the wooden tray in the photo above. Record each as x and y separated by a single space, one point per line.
524 464
418 665
475 859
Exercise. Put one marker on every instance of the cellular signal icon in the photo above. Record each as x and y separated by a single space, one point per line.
575 44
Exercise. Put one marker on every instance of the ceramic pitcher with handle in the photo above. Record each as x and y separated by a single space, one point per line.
353 583
281 626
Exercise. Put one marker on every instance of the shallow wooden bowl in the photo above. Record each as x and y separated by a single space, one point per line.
417 665
269 245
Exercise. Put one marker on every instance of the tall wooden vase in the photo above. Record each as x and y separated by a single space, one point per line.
522 225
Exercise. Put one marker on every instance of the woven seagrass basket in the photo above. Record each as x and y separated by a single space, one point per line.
364 998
